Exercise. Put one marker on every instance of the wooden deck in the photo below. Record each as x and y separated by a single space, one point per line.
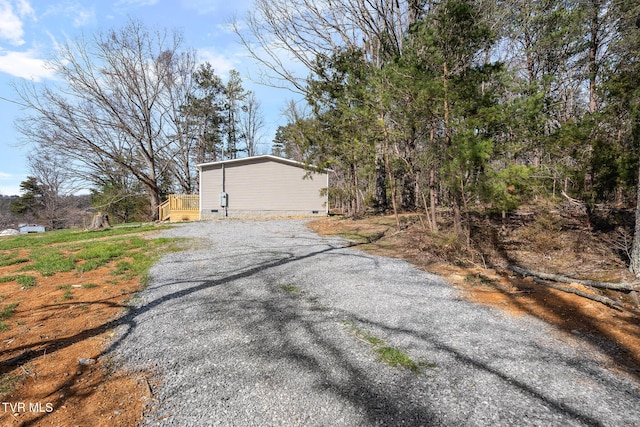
180 207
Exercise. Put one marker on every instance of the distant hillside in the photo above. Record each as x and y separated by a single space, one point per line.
75 208
5 201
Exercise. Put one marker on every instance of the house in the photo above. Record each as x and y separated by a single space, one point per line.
262 186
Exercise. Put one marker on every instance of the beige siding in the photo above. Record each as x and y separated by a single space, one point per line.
263 185
210 188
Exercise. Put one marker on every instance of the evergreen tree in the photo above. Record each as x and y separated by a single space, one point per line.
31 203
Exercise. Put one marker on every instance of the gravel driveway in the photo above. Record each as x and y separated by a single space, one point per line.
256 326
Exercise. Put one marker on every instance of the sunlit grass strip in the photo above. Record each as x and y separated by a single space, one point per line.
67 236
389 355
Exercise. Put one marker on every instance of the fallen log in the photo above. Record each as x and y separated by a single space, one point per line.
565 279
603 300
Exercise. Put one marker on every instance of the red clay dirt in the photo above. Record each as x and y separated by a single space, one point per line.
56 323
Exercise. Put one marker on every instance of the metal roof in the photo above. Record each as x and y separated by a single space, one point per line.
262 157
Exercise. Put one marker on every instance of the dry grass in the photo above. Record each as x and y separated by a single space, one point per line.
549 241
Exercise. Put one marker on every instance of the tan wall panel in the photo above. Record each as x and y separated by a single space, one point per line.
210 188
263 185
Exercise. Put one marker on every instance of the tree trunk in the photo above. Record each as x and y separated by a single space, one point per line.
154 202
565 279
381 187
604 300
432 183
100 220
408 195
634 263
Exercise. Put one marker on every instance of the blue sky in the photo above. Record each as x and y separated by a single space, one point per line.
30 30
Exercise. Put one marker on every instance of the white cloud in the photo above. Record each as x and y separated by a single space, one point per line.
220 8
80 14
10 190
11 20
201 7
25 9
135 3
221 63
84 17
25 65
10 184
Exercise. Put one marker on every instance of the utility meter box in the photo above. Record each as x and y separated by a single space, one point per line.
224 199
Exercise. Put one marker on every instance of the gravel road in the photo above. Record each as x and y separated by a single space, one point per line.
256 324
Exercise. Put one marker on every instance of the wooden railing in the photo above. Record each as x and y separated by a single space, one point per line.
164 213
180 207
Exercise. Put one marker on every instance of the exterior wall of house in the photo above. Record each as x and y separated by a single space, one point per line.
261 187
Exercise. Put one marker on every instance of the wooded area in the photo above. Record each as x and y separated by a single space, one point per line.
464 105
456 106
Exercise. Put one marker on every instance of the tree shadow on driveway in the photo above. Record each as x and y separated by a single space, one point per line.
289 339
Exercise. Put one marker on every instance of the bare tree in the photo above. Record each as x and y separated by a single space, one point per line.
51 175
251 122
302 30
182 127
112 108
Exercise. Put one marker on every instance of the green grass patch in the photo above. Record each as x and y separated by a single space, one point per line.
144 258
8 311
89 285
7 260
67 236
50 261
389 355
293 289
92 264
67 250
122 267
375 341
26 281
362 334
4 326
145 280
67 295
101 253
9 381
394 357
